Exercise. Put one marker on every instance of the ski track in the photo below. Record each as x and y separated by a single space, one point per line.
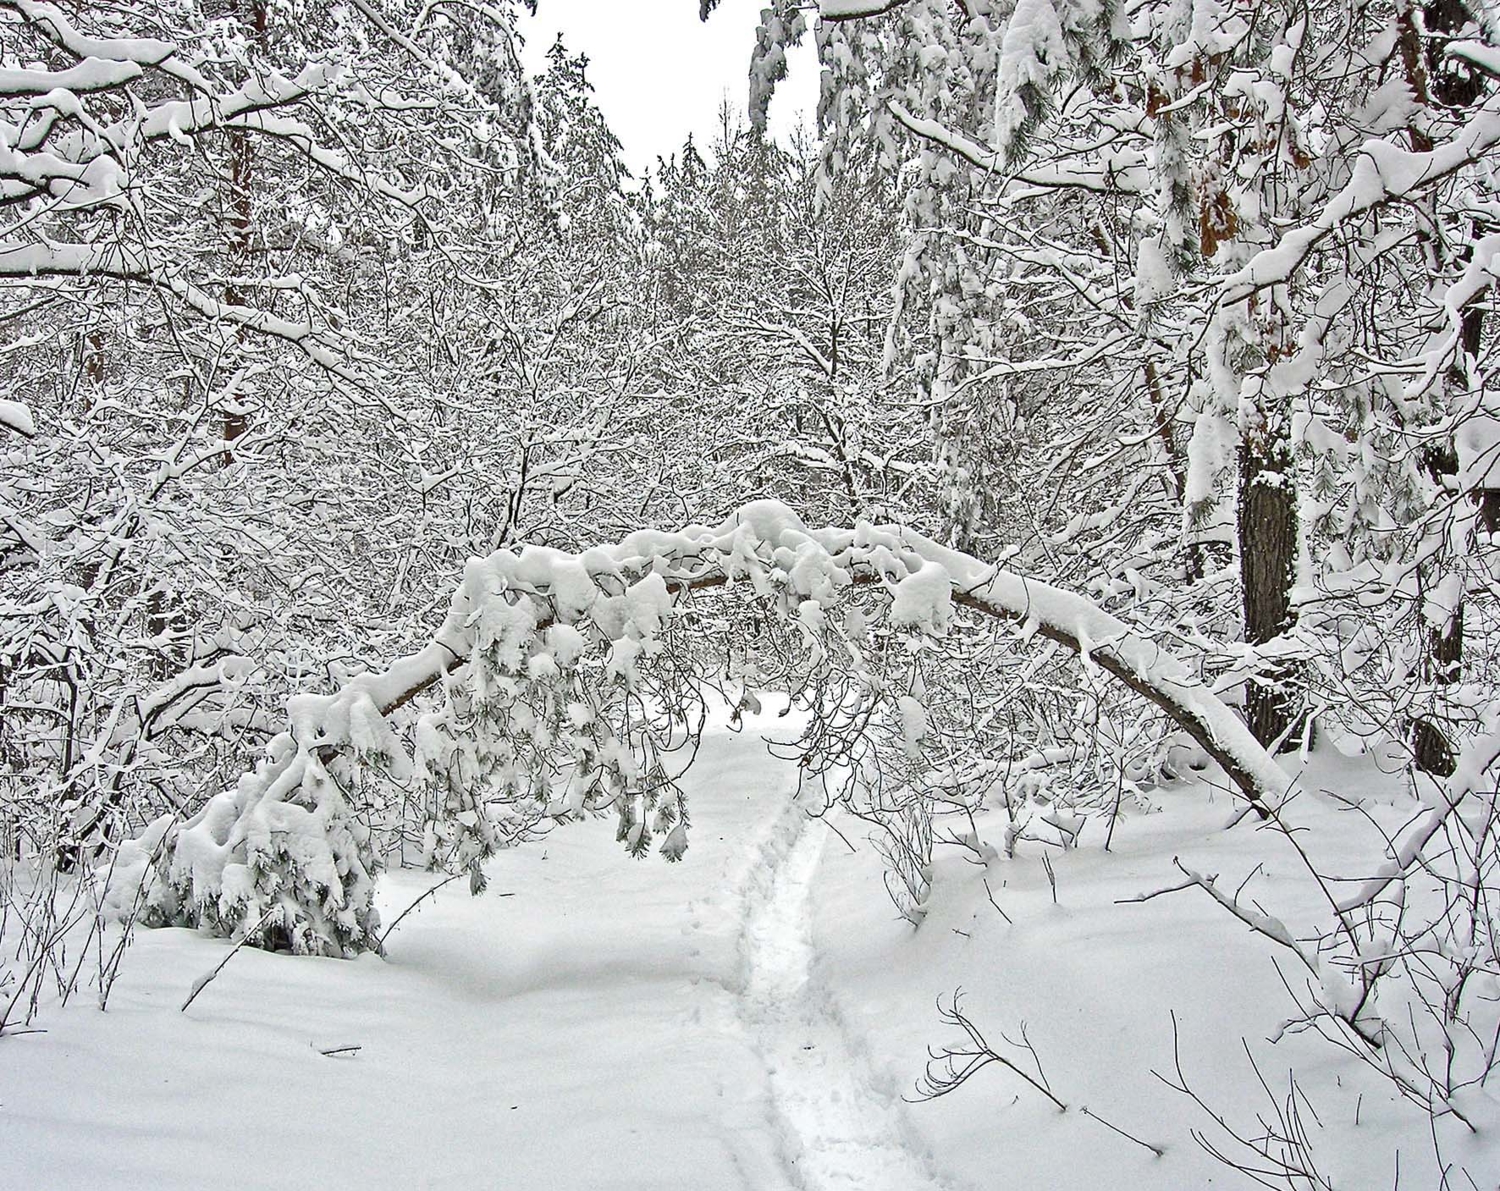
838 1130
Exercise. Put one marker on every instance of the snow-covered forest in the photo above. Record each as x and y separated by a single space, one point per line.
956 649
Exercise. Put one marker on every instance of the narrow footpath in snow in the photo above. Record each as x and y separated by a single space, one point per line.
838 1130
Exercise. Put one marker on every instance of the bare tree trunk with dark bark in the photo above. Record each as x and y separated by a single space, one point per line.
1435 80
1268 560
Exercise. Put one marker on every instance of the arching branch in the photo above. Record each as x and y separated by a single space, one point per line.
562 694
697 561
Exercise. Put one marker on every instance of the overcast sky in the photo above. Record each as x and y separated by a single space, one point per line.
659 73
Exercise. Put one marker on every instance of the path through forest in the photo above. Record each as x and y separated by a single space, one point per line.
743 1021
839 1131
591 1022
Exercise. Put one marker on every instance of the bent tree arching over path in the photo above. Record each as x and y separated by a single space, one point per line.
566 681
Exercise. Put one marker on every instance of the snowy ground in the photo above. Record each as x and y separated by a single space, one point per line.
749 1018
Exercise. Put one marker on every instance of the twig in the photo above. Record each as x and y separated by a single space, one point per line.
448 880
1282 1152
989 893
204 981
951 1067
1157 1150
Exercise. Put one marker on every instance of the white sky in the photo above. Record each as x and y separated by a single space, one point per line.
659 73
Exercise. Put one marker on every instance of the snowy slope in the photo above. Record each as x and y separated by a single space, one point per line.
749 1018
1096 980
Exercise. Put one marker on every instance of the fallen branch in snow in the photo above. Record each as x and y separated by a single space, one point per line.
1402 983
1159 1151
1257 921
1051 875
990 893
1442 799
1282 1151
950 1067
698 559
1337 996
386 934
448 880
204 981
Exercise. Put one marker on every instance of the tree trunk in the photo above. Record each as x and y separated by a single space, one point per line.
1445 650
1192 551
1436 79
1268 561
240 230
93 363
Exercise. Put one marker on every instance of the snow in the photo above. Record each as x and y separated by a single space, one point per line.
838 1129
754 1017
1095 984
1486 57
1153 273
1031 53
757 1014
1478 445
1210 452
1121 170
924 599
1382 172
143 50
495 625
601 1002
17 417
843 10
92 74
1439 801
913 724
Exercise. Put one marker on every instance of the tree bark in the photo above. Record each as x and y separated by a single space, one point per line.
1431 749
1450 85
1268 560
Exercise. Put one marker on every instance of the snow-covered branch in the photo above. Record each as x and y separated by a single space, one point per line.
853 10
534 631
1383 173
